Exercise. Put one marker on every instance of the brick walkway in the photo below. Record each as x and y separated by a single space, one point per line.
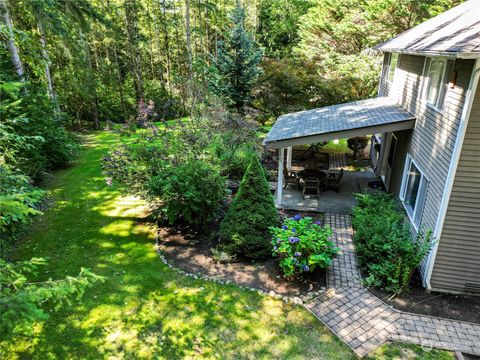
364 322
337 161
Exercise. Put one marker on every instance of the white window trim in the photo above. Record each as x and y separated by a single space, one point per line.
421 187
387 77
426 83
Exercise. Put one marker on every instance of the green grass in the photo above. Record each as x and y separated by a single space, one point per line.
143 309
340 148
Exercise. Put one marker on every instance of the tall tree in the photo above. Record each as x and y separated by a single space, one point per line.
131 18
236 67
11 45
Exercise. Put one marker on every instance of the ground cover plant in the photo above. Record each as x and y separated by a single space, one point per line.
302 245
387 251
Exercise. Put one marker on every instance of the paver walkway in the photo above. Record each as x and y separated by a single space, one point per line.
337 161
364 322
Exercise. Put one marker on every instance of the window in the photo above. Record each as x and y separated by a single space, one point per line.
392 65
436 81
414 188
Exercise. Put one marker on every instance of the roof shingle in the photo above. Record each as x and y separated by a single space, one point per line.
455 32
341 117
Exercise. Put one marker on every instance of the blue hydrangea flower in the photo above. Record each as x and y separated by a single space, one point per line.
297 254
275 247
294 230
293 240
284 227
305 267
297 217
318 222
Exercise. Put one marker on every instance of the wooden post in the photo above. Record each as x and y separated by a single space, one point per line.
280 176
289 158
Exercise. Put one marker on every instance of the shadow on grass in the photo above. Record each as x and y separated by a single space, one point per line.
143 309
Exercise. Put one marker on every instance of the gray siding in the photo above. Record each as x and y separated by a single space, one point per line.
432 141
458 255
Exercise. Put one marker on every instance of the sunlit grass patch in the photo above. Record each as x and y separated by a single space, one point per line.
143 309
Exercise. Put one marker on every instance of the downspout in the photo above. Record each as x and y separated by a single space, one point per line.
462 129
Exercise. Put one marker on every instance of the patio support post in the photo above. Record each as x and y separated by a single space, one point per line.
281 152
289 157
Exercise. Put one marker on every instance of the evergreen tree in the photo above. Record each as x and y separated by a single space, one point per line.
236 67
251 213
23 301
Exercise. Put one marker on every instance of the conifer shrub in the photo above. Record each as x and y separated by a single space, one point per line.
245 228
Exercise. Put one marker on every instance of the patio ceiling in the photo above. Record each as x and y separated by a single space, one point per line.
356 118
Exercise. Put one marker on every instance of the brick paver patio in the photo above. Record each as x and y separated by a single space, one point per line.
364 322
337 161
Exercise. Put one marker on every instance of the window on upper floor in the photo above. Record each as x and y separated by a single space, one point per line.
392 65
436 75
413 191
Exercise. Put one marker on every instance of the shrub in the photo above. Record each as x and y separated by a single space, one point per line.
193 190
31 140
357 144
252 211
302 245
18 201
386 249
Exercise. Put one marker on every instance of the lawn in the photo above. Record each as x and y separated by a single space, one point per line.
143 309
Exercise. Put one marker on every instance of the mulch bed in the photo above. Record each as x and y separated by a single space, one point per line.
456 307
184 248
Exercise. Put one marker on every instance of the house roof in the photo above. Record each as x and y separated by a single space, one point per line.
454 33
356 118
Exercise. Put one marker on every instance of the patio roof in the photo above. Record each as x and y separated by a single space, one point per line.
454 33
356 118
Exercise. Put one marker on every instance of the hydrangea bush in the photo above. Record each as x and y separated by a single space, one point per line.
302 245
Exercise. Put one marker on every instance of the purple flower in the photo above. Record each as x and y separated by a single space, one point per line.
297 254
297 217
318 222
284 227
305 267
109 181
293 240
294 230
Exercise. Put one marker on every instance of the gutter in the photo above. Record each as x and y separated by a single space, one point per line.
462 130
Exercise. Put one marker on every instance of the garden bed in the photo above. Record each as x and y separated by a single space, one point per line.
186 252
419 301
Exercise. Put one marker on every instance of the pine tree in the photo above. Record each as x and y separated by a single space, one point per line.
251 213
236 67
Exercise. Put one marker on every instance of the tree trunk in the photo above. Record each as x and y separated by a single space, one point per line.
131 20
188 36
12 47
167 46
91 80
48 75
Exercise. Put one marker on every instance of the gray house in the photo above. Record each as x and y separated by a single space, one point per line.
426 121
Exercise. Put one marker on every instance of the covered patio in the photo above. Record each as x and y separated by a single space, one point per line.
333 187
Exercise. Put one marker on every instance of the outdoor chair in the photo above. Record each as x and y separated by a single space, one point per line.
311 186
333 180
290 178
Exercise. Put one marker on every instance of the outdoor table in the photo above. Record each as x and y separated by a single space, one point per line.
306 173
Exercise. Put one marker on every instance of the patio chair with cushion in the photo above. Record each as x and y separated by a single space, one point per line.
333 180
311 186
